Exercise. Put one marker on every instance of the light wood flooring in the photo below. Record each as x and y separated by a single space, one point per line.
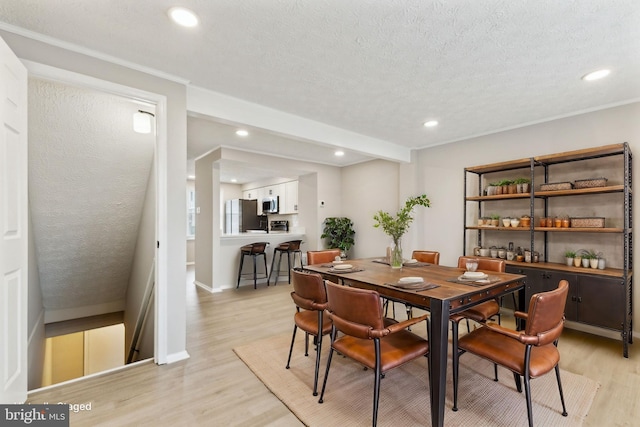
214 387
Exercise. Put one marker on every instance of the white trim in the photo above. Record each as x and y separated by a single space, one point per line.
90 52
97 374
162 230
176 357
236 110
534 122
607 333
206 288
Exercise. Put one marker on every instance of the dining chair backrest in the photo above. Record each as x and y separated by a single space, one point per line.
486 264
355 312
545 318
432 257
309 291
320 257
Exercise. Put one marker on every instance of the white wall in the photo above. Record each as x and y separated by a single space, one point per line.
174 302
370 187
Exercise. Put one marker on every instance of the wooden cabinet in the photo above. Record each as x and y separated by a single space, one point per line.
601 298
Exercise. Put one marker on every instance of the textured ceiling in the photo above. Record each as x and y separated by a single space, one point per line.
88 175
375 68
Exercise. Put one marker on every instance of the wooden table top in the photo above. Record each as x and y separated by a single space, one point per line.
379 276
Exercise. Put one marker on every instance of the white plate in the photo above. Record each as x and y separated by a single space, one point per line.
404 280
342 267
474 275
411 261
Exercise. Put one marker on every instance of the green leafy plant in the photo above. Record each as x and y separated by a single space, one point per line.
339 233
570 254
521 181
495 216
396 226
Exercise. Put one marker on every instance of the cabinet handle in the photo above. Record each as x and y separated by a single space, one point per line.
579 299
573 298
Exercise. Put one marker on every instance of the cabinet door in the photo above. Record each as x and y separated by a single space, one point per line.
551 279
246 194
600 301
291 196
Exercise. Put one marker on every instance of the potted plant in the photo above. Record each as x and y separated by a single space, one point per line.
577 260
396 226
495 220
522 185
339 233
569 256
592 256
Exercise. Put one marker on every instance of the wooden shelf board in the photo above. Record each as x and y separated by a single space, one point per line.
586 153
611 272
549 229
579 191
502 166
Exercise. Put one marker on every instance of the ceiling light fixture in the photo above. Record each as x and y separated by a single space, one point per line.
234 180
430 123
183 16
595 75
339 153
142 121
242 132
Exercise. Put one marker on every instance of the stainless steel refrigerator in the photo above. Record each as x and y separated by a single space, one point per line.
240 216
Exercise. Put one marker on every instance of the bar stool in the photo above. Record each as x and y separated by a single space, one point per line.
253 250
291 247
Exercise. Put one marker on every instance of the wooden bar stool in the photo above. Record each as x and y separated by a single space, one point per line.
291 247
253 250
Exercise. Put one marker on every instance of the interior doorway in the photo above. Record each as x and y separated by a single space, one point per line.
91 293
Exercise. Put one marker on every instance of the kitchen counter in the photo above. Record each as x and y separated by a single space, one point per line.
227 274
264 237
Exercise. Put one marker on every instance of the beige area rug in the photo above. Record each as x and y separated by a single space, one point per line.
404 395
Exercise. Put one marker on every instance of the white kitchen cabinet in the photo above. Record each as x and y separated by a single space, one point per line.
290 202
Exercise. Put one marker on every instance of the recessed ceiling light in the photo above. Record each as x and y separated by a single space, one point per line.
595 75
234 180
242 132
339 153
183 16
191 177
430 123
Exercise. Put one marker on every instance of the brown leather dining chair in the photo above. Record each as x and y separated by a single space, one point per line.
310 297
320 257
367 337
480 312
530 353
431 257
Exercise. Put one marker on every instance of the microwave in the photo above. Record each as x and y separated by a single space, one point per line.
270 205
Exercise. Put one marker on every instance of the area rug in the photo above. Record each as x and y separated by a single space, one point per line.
404 396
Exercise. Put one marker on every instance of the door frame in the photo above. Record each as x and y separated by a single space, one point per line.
48 72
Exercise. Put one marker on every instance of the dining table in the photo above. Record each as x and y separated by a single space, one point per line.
439 289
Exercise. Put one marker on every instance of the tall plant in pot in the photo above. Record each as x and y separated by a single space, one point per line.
396 226
339 233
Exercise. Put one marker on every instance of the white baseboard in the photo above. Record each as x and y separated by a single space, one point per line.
206 288
176 357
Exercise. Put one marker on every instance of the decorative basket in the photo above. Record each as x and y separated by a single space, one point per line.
591 182
552 186
587 222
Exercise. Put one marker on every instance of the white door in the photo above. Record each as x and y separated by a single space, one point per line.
13 227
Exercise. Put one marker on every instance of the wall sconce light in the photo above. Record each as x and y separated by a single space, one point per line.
142 121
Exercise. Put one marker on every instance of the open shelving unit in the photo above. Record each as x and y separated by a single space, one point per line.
601 298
